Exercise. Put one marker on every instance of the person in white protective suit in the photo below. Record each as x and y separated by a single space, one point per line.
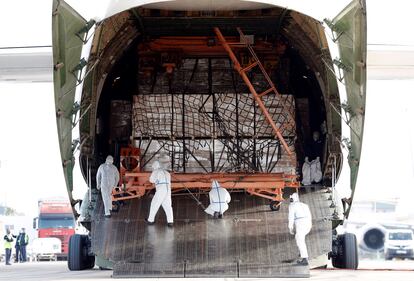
315 170
162 181
107 178
306 172
300 224
219 200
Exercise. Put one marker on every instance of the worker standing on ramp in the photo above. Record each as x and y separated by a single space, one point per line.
219 200
162 181
107 178
300 224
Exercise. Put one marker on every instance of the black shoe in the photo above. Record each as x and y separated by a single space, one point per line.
8 263
170 224
216 215
107 216
149 222
303 262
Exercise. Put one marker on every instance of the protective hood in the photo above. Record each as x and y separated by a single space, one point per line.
294 197
215 184
109 160
156 165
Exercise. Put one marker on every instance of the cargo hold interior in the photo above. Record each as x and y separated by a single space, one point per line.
171 90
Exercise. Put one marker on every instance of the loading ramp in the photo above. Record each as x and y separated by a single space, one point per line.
250 241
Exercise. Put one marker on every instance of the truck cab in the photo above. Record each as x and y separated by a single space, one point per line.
55 220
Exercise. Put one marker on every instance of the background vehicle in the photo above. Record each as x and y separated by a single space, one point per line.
55 220
45 249
399 243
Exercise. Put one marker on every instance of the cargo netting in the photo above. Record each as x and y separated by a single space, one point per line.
204 119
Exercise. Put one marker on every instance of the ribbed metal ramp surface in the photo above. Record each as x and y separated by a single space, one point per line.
250 241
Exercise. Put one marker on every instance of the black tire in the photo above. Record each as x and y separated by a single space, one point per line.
78 258
347 257
351 251
337 261
274 205
91 262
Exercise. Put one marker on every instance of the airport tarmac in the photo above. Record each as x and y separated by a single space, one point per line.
51 271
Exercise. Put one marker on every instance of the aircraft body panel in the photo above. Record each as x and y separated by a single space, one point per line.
313 9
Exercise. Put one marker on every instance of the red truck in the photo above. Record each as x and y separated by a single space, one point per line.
55 220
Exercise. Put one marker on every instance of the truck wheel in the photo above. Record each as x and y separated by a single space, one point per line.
347 257
78 258
274 205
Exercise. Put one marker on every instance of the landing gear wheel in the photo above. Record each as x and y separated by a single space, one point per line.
347 254
78 257
275 205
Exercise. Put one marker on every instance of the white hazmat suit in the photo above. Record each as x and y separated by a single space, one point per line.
306 172
315 170
300 223
107 178
162 181
219 199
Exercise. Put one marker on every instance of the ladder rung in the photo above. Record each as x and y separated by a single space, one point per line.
266 92
247 68
237 44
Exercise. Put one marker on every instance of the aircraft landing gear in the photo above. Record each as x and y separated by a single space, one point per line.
344 251
79 257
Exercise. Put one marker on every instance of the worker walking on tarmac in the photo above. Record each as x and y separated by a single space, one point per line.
17 255
300 224
8 239
219 200
162 181
22 240
107 178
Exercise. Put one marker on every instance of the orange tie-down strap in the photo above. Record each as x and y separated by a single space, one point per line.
267 185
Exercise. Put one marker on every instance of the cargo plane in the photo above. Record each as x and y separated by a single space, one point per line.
225 90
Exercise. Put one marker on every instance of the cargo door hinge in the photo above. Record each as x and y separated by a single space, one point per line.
77 70
349 113
337 29
342 67
82 34
75 144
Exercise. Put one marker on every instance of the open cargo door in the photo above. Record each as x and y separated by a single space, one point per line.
67 30
350 33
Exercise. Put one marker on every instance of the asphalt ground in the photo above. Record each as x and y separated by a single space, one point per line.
51 271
